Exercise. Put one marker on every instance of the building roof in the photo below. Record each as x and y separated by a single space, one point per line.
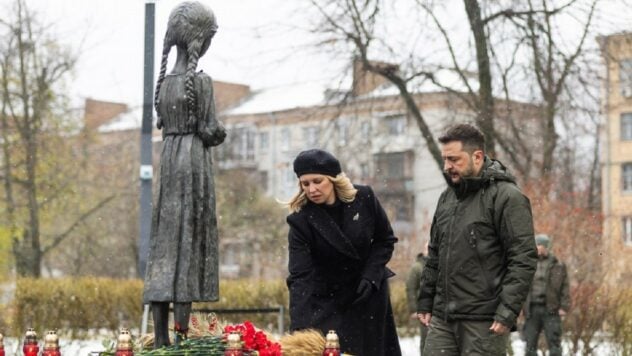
238 99
310 94
280 98
128 120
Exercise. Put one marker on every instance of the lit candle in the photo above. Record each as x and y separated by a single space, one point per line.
1 345
332 344
233 347
30 347
124 346
51 344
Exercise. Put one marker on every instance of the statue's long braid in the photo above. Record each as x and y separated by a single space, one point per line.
194 52
163 70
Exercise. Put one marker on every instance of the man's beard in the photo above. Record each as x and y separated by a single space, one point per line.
466 173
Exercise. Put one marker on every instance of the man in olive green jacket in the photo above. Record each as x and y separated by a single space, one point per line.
548 301
481 256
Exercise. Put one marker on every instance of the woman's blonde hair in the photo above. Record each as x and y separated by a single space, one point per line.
342 187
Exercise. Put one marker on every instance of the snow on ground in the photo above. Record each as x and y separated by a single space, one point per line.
68 347
409 346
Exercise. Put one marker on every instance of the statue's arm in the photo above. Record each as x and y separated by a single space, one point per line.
211 131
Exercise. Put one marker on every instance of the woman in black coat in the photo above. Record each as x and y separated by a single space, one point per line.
340 240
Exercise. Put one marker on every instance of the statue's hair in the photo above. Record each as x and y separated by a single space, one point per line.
190 25
342 186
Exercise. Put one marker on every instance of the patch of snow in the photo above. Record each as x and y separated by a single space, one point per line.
421 84
313 93
129 120
283 97
408 345
13 347
7 290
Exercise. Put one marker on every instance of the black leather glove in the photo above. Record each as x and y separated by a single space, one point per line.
364 291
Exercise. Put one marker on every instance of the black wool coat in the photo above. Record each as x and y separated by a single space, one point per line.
326 265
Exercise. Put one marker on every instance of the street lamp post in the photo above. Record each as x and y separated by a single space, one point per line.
146 167
146 170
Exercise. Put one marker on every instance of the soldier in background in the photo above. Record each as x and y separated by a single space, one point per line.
547 302
413 285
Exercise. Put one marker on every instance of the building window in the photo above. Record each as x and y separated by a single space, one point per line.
626 177
399 207
395 166
343 132
240 145
405 209
264 141
365 131
627 230
395 125
625 77
626 127
250 144
364 171
285 139
263 180
289 178
391 165
311 136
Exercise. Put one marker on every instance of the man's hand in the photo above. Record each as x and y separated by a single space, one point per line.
413 316
562 313
499 328
424 318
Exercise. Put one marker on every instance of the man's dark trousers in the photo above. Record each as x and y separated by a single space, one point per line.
540 318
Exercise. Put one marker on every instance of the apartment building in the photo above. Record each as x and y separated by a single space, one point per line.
617 156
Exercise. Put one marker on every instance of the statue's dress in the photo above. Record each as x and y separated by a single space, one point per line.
183 258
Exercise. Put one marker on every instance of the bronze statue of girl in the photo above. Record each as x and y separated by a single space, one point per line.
183 259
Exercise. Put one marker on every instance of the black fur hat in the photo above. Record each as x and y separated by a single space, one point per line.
316 161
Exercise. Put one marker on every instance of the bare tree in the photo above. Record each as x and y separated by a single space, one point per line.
354 21
34 123
551 68
485 100
513 48
252 225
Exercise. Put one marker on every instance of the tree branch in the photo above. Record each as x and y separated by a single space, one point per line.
463 96
59 238
511 13
444 33
568 63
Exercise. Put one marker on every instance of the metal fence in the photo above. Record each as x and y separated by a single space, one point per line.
279 309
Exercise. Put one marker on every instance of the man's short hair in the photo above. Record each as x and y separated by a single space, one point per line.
471 137
542 239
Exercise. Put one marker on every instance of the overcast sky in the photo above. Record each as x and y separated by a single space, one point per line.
261 43
255 37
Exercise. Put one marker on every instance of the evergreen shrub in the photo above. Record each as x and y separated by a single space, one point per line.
77 307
